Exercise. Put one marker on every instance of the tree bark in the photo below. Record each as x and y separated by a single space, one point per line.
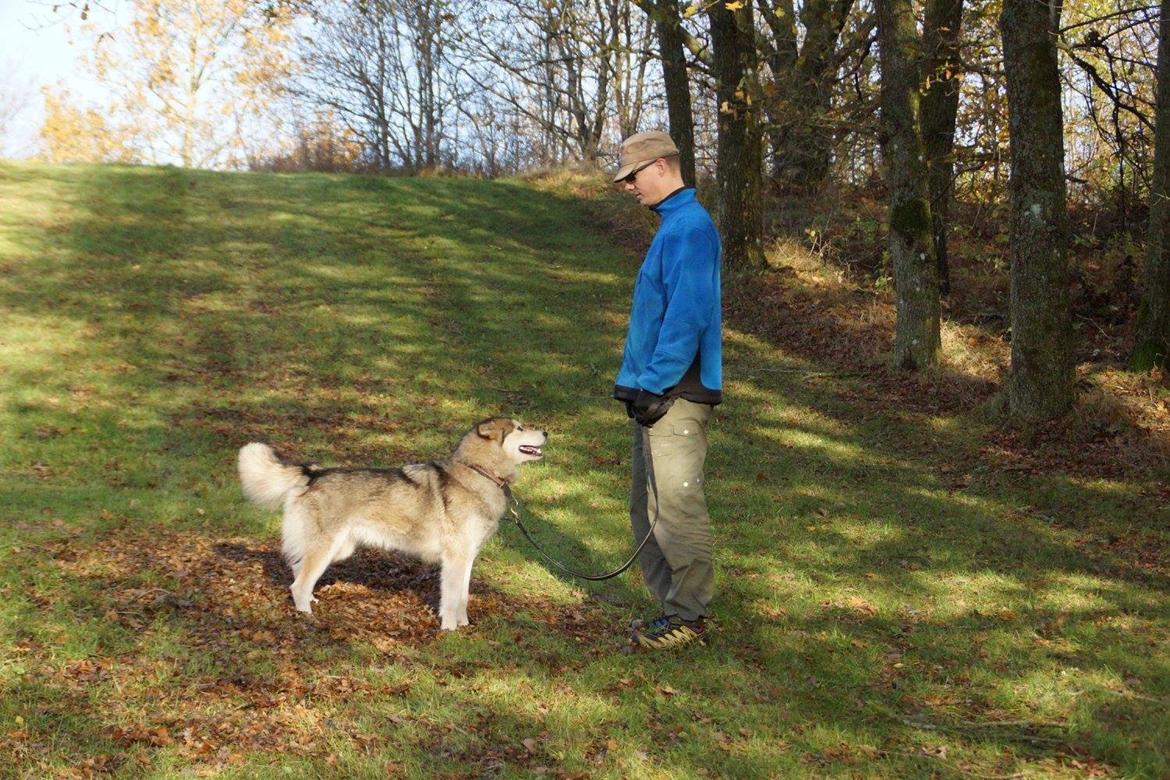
916 337
668 27
739 158
1152 345
940 104
1041 383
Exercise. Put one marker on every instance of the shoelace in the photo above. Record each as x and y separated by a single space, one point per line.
651 625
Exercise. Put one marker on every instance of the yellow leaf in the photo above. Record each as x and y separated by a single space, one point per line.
735 5
690 11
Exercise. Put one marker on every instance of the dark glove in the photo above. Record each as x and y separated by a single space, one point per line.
649 408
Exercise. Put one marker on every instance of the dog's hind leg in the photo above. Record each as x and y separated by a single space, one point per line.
292 536
453 596
314 563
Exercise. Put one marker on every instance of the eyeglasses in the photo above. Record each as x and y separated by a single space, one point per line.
634 173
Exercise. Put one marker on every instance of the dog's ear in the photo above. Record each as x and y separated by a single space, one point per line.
496 428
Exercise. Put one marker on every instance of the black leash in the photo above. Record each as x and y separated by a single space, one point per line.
514 510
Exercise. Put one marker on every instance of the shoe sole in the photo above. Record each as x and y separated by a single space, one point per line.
671 642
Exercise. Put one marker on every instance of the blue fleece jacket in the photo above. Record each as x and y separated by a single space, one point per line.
674 344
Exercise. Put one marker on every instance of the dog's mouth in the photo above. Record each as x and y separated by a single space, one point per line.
528 449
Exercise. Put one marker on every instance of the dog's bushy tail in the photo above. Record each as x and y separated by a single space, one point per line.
267 479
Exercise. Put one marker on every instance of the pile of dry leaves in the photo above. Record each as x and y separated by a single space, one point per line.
222 666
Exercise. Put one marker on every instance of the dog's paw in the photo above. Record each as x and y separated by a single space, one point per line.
303 602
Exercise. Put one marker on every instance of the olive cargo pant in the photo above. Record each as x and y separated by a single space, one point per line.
676 562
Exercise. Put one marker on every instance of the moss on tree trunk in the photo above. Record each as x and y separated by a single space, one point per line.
911 244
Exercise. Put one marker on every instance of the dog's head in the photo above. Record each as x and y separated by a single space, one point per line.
518 443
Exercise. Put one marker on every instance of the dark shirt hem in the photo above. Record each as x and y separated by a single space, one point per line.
698 395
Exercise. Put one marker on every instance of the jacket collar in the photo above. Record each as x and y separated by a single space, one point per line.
674 201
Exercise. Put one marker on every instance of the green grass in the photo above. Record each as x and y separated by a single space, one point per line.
876 618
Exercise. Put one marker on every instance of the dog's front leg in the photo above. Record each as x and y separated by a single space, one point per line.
464 593
453 595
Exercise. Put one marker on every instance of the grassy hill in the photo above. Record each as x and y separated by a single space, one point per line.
901 592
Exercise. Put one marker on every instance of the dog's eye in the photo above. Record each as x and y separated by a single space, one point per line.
519 427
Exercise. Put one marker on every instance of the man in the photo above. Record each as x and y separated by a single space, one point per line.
670 380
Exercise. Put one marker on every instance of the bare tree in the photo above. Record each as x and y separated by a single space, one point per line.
1113 53
15 98
382 68
630 42
564 65
673 43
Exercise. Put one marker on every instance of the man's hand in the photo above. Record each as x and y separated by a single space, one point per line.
649 408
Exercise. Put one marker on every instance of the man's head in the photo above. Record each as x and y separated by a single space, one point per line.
649 167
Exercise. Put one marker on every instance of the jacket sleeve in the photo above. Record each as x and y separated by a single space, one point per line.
690 268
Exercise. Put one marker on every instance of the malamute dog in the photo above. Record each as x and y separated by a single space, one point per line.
441 512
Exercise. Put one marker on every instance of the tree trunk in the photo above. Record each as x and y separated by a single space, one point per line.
668 27
425 31
1041 383
940 104
801 135
739 149
1152 346
916 337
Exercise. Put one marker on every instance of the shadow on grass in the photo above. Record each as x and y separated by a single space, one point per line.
369 569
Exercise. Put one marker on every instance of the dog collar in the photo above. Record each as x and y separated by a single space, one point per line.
500 483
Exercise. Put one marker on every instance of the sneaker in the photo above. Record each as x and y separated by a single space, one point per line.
669 631
653 624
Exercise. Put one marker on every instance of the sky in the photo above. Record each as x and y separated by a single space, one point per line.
35 52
